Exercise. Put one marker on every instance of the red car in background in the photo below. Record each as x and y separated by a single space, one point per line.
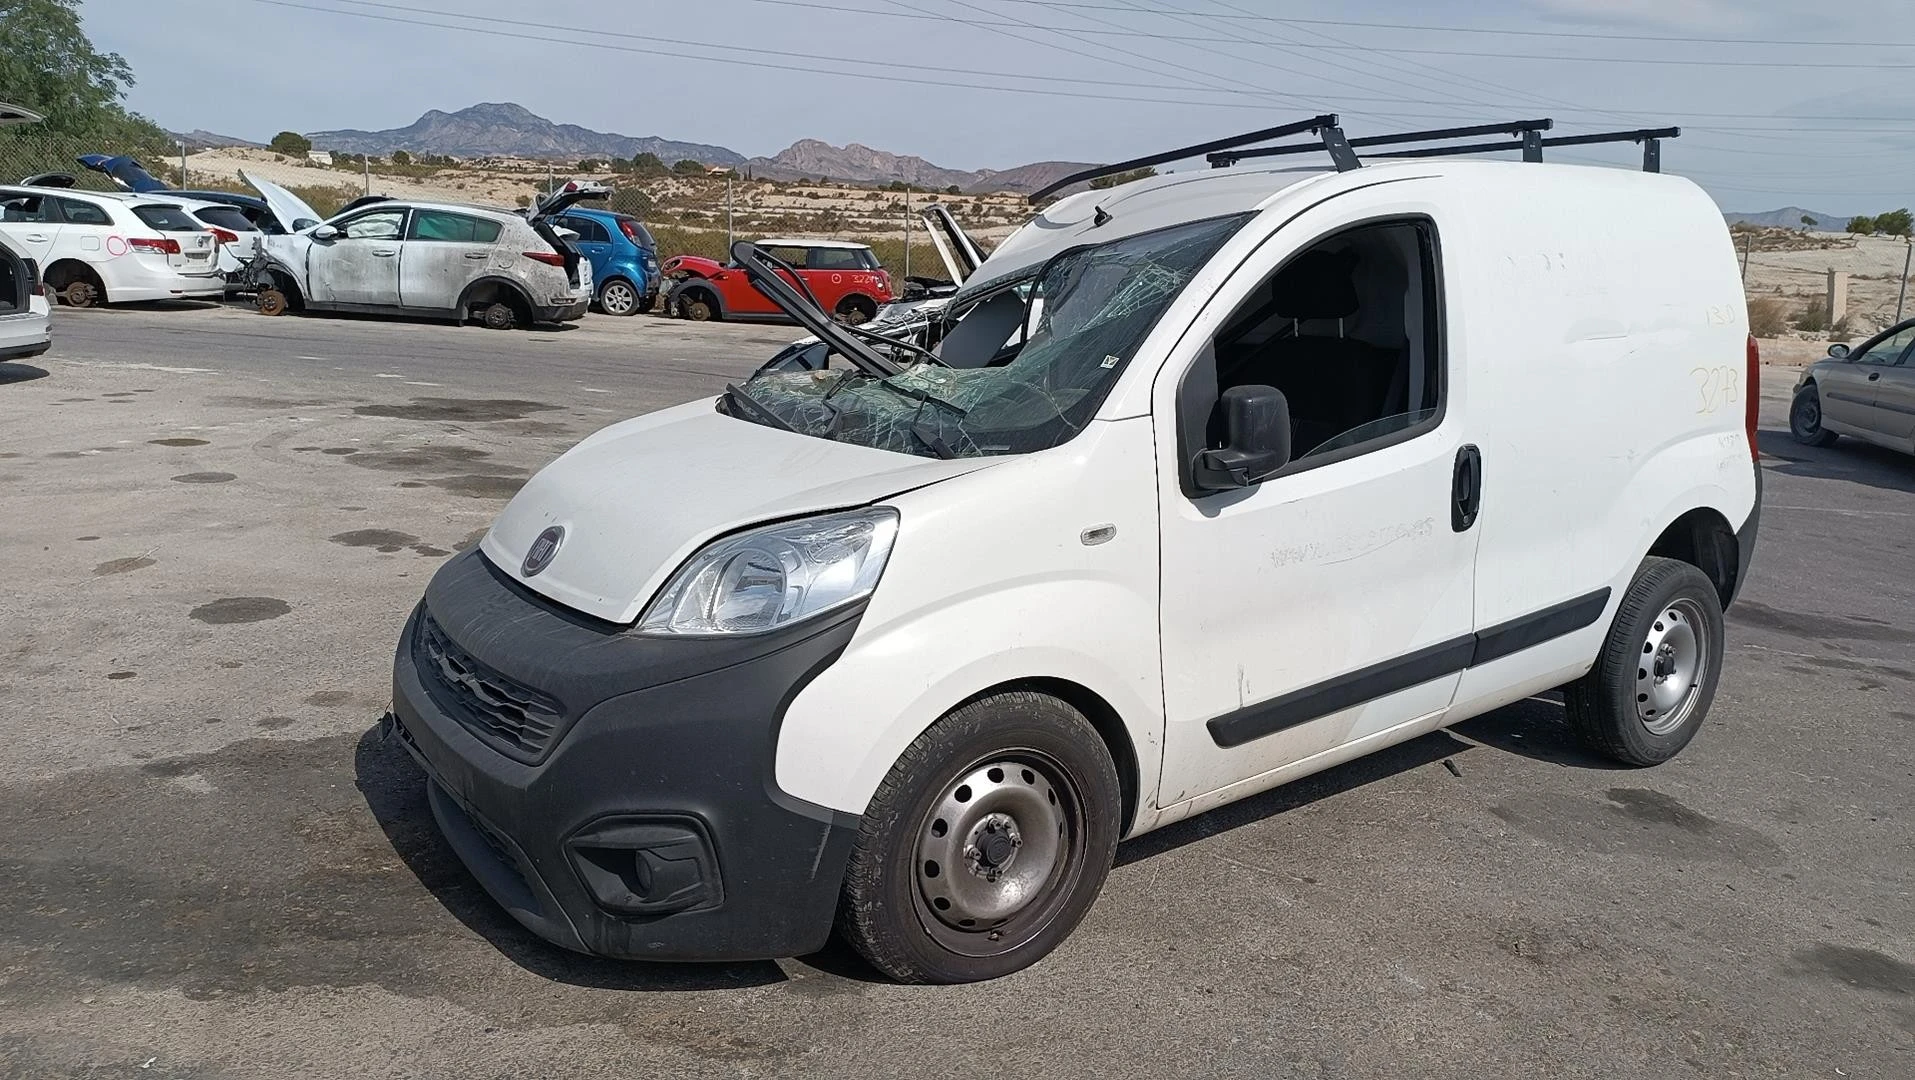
846 278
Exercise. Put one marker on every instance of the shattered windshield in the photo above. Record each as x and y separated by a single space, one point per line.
1021 365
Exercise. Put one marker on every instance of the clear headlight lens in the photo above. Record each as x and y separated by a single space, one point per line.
763 579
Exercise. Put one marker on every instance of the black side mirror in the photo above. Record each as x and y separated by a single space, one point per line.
1256 422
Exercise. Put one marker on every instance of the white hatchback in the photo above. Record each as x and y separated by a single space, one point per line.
99 248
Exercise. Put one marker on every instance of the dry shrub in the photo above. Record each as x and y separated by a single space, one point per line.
1843 329
1815 318
1768 317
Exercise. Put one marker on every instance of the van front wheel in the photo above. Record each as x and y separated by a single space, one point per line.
986 844
1649 691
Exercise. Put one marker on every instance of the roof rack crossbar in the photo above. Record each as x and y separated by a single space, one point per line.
1532 146
1519 127
1313 124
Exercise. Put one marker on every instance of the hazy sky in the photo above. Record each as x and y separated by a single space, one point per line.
1004 82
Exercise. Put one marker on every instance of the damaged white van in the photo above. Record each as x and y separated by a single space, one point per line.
1205 483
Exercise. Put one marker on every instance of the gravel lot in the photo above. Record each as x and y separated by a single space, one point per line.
214 524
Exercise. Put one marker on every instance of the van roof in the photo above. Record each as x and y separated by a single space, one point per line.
1159 202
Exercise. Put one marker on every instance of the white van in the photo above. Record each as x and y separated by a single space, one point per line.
1216 480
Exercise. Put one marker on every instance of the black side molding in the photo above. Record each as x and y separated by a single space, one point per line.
1412 669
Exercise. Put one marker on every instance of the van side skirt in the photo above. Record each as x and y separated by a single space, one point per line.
1412 669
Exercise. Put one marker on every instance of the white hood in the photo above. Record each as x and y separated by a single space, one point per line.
292 211
640 497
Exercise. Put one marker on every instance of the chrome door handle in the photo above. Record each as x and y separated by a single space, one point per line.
475 255
385 253
1874 376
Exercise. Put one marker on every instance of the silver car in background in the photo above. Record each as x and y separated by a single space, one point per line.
1867 392
435 259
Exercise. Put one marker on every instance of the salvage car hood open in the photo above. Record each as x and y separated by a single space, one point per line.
639 498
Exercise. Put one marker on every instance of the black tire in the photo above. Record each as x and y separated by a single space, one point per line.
498 316
1044 746
1805 418
1639 705
618 297
856 310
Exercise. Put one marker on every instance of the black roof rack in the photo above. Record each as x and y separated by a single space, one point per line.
1529 141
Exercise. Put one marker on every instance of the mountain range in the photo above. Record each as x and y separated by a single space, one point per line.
1789 217
504 129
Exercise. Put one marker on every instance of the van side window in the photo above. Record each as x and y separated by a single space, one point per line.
1350 330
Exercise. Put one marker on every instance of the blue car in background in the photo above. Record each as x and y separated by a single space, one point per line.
623 255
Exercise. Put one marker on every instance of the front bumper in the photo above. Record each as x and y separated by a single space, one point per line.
647 823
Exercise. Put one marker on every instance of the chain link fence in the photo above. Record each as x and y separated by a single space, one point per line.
27 151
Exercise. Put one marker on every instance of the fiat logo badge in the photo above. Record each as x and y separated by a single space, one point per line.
540 557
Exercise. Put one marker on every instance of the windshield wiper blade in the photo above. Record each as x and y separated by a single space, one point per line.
739 401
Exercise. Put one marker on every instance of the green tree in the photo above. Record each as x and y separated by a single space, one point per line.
954 190
1861 225
291 144
1808 222
400 157
48 65
648 164
1895 222
590 165
688 167
1104 182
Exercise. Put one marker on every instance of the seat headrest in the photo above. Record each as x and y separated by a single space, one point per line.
1317 285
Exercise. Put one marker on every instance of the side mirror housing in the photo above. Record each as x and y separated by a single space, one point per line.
325 232
1839 350
1256 422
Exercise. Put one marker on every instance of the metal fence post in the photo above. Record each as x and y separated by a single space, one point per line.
1908 248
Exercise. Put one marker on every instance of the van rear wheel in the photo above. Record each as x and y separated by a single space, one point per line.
1651 688
986 844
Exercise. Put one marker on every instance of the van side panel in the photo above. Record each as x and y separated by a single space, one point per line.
1605 339
991 581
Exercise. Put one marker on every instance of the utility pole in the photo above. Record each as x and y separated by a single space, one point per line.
1908 249
368 161
728 234
183 182
1745 258
907 232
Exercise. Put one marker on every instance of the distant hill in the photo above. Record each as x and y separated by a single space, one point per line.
1789 217
508 130
197 139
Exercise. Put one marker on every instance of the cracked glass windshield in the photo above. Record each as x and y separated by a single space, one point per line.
1021 365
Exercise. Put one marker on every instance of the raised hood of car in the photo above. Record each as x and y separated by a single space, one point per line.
292 211
639 498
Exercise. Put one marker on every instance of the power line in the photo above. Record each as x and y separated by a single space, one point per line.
808 69
1425 28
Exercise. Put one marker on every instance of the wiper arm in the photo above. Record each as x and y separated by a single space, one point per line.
761 268
739 401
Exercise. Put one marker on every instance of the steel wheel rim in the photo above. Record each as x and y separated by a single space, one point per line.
1808 414
618 298
1672 667
992 869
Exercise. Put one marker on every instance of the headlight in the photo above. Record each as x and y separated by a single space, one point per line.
766 578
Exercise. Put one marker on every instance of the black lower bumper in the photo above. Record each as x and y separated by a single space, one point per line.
561 313
25 352
638 816
1745 539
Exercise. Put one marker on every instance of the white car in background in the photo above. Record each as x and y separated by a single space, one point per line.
109 248
26 321
425 257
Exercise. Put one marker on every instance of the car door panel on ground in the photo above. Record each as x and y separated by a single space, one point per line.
443 253
1331 602
361 264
